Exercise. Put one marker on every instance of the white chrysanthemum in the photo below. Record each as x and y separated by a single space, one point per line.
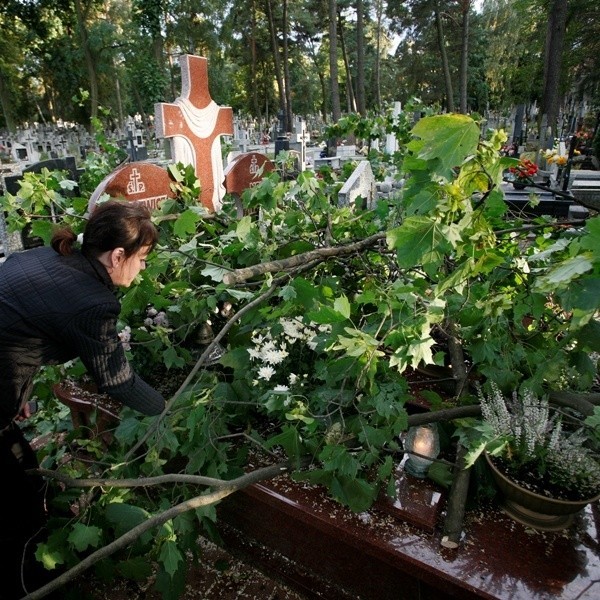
281 388
292 378
292 329
273 356
266 373
254 353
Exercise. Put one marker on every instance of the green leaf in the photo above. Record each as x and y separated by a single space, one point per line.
49 556
128 430
137 568
355 493
342 305
289 440
172 359
186 223
170 557
214 272
125 516
42 229
447 140
441 474
418 240
564 273
325 315
83 536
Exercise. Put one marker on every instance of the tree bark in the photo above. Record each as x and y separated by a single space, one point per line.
333 65
555 38
360 59
7 105
455 511
464 56
286 70
276 57
444 57
350 96
285 264
82 12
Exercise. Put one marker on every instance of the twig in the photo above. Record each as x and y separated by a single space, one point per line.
133 534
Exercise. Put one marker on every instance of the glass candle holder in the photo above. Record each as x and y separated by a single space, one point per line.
422 445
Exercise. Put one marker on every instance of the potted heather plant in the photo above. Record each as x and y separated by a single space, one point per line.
545 467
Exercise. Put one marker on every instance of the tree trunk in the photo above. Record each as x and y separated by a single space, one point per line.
379 9
360 59
444 56
276 58
333 65
555 37
255 103
286 70
464 55
336 110
351 101
81 12
7 105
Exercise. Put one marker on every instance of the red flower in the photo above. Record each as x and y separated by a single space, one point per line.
525 169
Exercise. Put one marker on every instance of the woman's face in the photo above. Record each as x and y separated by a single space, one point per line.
125 270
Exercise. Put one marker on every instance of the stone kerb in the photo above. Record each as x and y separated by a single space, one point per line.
360 183
135 182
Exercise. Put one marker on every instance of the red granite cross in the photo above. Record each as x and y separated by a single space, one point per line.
194 124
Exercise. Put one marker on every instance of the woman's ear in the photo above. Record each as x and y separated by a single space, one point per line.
116 257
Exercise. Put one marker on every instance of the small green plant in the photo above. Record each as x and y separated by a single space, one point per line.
535 447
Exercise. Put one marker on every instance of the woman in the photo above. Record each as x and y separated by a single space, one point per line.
56 304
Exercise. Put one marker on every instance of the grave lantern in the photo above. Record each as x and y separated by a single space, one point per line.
422 445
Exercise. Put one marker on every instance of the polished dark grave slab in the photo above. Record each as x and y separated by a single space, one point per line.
519 201
296 532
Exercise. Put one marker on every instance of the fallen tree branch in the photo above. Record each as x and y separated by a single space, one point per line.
238 315
132 482
457 499
133 534
285 264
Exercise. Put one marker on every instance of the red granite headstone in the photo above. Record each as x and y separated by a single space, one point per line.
194 124
246 171
136 182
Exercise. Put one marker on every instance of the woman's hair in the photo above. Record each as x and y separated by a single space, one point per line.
112 224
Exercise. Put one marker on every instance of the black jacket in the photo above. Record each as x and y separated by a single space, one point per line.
52 309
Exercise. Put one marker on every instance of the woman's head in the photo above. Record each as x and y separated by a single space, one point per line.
120 235
119 224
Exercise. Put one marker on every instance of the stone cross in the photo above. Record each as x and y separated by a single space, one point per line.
194 124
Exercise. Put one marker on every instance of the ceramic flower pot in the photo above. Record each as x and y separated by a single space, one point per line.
518 186
534 510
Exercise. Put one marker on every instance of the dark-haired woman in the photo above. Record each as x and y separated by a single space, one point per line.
58 303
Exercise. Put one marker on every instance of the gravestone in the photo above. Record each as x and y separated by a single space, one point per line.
11 183
391 143
300 137
135 182
193 124
243 172
361 184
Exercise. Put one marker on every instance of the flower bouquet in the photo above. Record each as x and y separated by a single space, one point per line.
522 173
